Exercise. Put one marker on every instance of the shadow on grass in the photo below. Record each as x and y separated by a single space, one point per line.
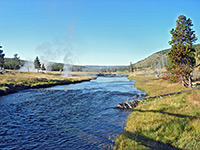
149 143
167 113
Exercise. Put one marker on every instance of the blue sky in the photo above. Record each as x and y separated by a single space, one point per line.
91 32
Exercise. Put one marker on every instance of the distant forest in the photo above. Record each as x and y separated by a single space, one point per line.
13 63
16 63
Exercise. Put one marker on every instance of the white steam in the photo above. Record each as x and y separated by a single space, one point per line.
59 50
28 66
67 65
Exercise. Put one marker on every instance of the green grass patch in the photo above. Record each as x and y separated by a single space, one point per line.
4 88
163 123
156 86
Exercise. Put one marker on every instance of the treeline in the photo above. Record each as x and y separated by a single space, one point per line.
104 68
56 66
10 63
16 63
60 67
76 68
13 63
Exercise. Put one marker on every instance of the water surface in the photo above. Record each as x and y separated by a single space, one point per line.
76 116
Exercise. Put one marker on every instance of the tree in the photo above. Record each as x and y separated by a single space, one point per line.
37 63
198 59
43 67
16 62
182 54
1 58
56 67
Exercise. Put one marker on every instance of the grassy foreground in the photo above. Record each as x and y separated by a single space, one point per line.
12 81
171 122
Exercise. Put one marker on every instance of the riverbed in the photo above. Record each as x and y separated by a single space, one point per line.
75 116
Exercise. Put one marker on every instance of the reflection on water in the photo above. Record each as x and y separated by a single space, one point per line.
77 116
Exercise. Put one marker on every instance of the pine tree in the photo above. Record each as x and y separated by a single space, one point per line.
1 58
43 67
182 54
16 62
37 64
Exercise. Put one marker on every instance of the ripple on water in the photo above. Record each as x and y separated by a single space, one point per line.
78 116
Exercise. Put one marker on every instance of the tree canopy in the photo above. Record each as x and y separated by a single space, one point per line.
43 67
16 62
37 63
182 54
1 58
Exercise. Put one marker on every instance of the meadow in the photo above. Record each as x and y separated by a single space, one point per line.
170 122
13 81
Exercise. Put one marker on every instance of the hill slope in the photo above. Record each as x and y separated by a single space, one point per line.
157 60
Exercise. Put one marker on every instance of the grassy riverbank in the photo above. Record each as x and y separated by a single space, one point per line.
12 81
163 123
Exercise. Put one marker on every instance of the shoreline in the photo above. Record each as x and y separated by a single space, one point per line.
15 81
15 89
169 122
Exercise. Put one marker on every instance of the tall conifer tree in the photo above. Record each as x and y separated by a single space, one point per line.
43 67
1 58
182 54
37 64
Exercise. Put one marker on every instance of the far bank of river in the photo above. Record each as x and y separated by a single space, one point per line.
73 116
14 81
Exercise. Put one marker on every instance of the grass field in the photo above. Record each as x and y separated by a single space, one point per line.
170 122
11 81
156 86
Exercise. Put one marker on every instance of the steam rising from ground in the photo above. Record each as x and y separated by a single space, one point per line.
67 65
28 66
59 50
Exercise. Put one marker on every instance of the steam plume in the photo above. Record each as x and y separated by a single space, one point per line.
28 66
59 50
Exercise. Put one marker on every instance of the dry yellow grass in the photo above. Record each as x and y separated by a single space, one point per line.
13 80
155 86
163 123
194 98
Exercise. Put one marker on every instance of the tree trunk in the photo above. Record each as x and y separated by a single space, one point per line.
189 81
185 81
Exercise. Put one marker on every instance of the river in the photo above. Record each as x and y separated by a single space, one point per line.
75 116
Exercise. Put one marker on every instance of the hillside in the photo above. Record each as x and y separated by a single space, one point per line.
157 60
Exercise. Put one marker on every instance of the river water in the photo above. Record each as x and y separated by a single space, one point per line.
76 116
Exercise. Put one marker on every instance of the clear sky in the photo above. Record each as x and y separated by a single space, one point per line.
91 32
